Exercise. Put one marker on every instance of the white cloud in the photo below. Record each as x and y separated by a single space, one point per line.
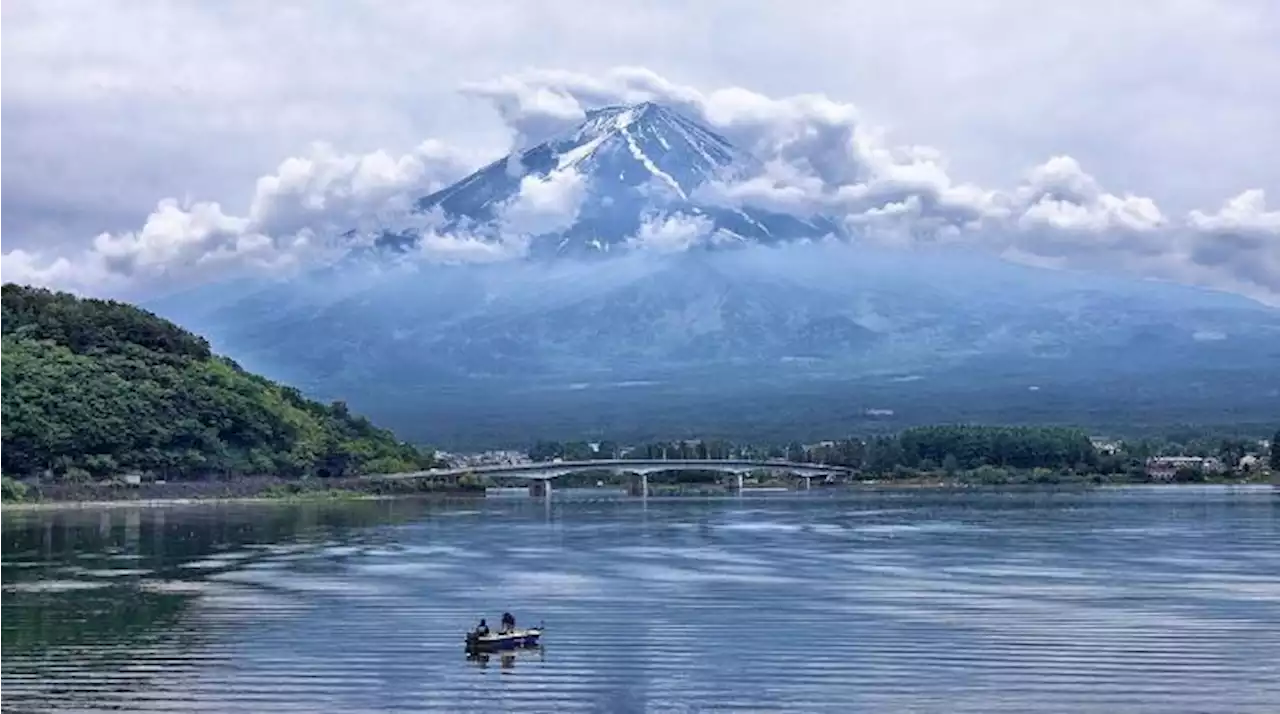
544 204
440 247
820 155
109 105
19 266
533 113
671 233
1241 240
1060 195
295 216
301 214
328 190
1245 214
817 154
175 233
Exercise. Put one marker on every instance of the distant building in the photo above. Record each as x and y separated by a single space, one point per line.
1164 468
1250 462
485 458
1105 446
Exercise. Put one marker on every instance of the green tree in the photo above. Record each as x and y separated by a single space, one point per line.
607 450
719 449
93 389
1232 450
12 490
578 451
1275 451
884 454
546 451
850 452
950 465
795 452
1017 447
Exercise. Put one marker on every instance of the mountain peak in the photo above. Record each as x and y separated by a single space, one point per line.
622 114
639 160
667 147
624 117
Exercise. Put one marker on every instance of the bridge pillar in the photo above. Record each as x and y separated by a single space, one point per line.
540 488
639 485
808 482
738 476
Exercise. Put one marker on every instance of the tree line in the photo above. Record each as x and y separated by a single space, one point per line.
944 448
93 389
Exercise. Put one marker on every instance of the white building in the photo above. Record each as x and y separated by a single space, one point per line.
1105 446
1164 468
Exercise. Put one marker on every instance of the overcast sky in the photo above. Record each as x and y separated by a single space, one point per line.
111 108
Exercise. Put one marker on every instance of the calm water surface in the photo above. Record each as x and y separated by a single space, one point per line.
1142 600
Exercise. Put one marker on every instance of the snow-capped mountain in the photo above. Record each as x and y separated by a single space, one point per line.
777 337
638 161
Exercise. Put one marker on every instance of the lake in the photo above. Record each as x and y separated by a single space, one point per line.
1133 600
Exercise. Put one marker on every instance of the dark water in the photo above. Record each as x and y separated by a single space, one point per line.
1144 600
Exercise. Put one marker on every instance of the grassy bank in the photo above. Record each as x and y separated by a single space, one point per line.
256 488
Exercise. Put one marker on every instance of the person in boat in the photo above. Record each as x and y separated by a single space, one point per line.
508 623
482 629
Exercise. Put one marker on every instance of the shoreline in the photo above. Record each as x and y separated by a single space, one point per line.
320 497
247 490
169 502
351 496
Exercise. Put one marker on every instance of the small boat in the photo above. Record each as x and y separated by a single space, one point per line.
497 641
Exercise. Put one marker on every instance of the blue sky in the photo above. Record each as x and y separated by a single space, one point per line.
145 143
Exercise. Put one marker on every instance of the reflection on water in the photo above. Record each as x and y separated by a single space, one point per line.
508 659
1115 600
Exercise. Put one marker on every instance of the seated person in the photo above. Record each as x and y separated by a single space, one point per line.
482 629
508 623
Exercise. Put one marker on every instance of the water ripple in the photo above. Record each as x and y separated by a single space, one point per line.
930 602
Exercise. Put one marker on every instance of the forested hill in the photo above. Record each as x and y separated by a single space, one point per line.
94 389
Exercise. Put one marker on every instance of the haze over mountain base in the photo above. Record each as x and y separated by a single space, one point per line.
792 341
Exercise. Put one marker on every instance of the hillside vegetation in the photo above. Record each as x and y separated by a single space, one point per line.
94 388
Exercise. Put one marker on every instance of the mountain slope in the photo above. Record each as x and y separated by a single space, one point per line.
102 387
536 346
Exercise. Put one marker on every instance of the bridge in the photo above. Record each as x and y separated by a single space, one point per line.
541 473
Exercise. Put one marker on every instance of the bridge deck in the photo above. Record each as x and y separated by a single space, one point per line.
545 470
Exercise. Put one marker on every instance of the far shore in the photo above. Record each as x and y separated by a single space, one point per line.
339 496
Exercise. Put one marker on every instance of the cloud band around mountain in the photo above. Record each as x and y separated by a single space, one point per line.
816 154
